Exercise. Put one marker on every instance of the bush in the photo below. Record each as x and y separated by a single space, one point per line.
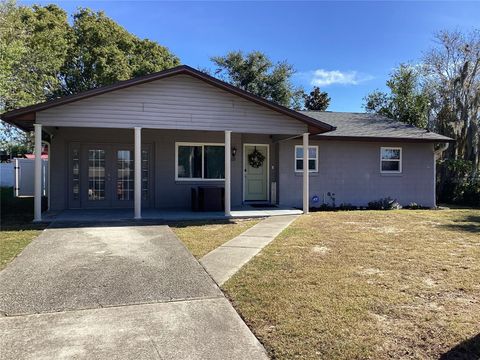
457 183
384 204
415 206
471 194
323 207
347 207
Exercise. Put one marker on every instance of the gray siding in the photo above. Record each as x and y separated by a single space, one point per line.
178 102
351 170
167 193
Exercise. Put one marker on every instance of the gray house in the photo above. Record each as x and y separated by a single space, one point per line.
146 142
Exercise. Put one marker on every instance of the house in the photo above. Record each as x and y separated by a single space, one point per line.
145 142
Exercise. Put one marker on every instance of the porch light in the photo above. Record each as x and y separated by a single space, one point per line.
234 151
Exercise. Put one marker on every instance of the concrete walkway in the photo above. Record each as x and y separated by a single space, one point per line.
116 292
227 259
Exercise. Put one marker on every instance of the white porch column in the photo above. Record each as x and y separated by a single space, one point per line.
138 174
228 161
37 213
306 195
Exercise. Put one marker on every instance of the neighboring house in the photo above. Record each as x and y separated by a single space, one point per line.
182 119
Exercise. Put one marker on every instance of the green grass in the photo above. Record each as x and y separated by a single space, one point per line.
367 285
202 237
16 227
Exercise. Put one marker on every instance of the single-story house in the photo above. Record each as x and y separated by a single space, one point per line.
146 142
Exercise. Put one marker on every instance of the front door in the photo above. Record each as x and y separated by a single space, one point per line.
105 174
97 175
256 172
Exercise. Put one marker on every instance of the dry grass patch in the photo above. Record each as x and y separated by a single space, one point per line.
13 242
367 284
202 237
16 228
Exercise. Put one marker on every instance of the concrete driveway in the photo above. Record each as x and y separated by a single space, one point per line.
119 292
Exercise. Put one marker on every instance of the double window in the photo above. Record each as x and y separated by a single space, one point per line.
196 161
312 158
390 160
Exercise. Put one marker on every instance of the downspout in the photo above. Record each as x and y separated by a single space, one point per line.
436 155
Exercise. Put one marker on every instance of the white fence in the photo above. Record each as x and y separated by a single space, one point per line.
7 174
20 174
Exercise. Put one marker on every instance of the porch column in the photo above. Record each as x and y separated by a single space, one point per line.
306 196
37 203
228 160
138 174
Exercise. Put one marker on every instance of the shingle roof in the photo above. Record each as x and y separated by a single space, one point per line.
358 126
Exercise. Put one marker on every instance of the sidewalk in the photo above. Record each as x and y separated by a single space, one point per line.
228 258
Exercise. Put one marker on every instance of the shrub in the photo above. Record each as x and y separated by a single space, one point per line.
323 207
384 204
460 183
347 207
415 206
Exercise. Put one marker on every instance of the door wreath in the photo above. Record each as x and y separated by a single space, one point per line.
256 158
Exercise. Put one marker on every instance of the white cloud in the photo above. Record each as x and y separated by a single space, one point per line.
322 77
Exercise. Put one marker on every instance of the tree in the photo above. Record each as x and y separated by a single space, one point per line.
33 43
407 101
452 70
42 57
103 52
257 74
316 100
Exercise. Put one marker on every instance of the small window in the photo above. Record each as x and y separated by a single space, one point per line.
391 160
200 161
312 158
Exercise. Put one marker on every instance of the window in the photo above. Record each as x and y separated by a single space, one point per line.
200 161
145 174
312 158
96 174
76 174
390 160
125 175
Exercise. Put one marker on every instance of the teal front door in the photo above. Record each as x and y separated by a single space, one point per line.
255 175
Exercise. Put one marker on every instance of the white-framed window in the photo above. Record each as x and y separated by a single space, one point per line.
312 158
199 161
391 160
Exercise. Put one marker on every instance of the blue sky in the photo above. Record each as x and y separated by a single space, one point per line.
348 48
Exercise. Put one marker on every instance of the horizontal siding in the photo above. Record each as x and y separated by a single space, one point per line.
179 102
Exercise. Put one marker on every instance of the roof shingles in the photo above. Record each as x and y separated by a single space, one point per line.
367 126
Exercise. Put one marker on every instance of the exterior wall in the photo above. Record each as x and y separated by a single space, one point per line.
166 192
351 170
177 102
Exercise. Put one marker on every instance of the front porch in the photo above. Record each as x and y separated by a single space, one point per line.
109 215
161 170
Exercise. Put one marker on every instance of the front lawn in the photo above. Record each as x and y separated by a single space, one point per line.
16 227
202 237
367 285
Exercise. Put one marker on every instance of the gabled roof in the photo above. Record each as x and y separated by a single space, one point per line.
371 127
25 117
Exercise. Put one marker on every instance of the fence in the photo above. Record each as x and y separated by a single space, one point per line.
7 174
25 177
